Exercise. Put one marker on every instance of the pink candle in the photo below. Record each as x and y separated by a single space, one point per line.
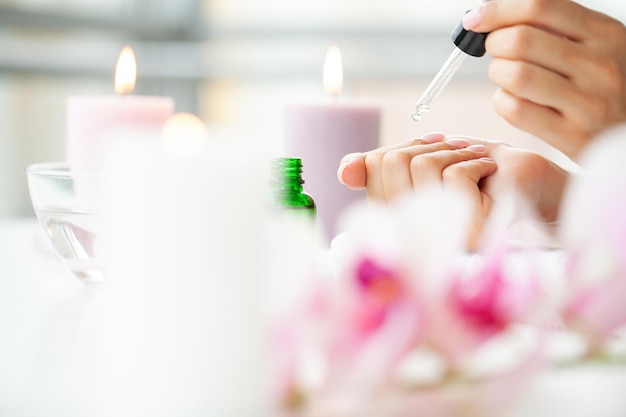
94 122
321 134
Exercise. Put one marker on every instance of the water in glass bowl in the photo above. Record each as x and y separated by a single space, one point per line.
74 236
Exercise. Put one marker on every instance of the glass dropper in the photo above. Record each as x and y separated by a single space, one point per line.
466 43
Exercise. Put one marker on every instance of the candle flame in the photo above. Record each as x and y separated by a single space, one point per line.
333 71
126 71
184 134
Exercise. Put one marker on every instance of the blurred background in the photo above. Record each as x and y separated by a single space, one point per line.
235 63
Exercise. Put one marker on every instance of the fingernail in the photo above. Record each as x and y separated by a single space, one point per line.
342 167
433 137
472 19
457 143
477 148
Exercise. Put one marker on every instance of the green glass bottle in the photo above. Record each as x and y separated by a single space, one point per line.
292 235
287 192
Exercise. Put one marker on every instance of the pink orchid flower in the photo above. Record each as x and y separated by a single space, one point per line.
480 304
377 321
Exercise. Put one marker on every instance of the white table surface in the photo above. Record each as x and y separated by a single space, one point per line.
44 309
40 304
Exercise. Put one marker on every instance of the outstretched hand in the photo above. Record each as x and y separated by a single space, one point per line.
485 171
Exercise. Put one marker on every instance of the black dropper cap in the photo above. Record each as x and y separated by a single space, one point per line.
472 43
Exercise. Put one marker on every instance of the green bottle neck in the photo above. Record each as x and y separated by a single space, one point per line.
287 175
286 184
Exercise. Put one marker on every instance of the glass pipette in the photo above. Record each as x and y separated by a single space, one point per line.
467 43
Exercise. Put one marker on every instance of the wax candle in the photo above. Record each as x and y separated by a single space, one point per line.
184 332
94 121
322 133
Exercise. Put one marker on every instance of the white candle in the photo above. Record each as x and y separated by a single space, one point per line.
322 133
94 121
185 284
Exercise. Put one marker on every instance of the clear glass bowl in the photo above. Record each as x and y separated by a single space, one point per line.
69 206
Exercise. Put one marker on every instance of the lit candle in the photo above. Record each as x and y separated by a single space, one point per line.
322 133
93 122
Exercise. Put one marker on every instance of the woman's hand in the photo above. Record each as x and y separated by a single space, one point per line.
561 68
485 171
388 172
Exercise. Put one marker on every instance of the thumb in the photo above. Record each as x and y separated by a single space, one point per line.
484 18
352 171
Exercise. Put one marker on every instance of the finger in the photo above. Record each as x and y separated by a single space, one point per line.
536 46
351 171
375 189
536 84
396 165
427 169
491 145
433 137
564 17
465 175
540 121
580 65
464 178
522 113
385 149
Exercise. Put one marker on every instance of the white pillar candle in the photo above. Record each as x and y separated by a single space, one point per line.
322 133
185 326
